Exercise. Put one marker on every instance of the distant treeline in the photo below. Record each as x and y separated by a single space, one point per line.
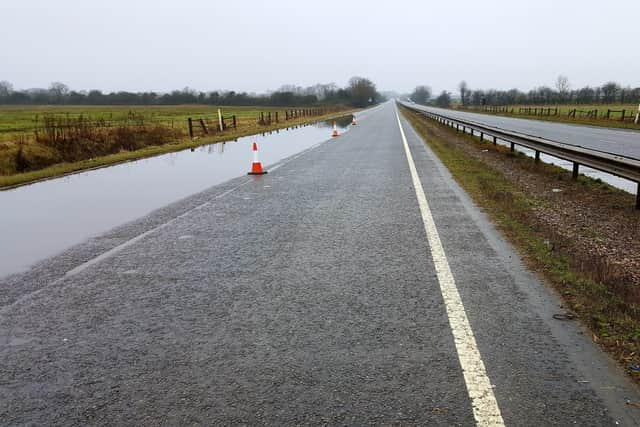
562 93
359 93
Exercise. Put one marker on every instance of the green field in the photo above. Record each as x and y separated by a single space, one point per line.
582 118
38 142
20 120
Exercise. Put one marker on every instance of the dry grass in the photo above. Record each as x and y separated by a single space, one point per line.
68 143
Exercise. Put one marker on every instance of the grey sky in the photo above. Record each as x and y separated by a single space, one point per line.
256 46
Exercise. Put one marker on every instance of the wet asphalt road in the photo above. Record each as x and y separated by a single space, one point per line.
307 296
617 141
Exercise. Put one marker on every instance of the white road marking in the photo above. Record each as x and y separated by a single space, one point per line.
483 400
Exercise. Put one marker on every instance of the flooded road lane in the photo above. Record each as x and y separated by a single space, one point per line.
42 219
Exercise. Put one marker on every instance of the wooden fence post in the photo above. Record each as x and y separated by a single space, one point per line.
204 127
190 128
234 122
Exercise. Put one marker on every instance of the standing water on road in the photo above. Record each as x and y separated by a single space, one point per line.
43 219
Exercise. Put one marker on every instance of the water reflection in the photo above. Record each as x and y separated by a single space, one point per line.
343 121
42 219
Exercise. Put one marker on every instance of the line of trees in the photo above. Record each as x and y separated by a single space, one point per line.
423 95
608 93
360 92
561 93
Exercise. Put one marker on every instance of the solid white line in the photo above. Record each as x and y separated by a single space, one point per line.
483 401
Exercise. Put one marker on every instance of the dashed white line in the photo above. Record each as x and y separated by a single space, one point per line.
483 401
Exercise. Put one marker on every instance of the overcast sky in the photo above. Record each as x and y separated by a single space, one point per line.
256 45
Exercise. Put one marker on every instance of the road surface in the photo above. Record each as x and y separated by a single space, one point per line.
616 141
355 284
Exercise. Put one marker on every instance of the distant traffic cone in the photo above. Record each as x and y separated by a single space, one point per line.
353 122
335 129
256 166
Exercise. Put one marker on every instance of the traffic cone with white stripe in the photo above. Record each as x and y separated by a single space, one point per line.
256 166
353 122
335 129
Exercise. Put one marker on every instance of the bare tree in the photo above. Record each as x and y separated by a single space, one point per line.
610 91
444 99
363 91
5 88
563 86
464 92
421 95
57 91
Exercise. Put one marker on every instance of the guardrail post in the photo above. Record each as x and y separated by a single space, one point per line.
638 197
576 167
513 147
537 157
495 140
481 136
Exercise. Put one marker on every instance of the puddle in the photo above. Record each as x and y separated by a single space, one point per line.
42 219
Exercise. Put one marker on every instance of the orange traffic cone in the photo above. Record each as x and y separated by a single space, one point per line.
353 122
335 129
256 166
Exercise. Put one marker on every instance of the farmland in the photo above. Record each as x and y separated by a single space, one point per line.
37 142
593 114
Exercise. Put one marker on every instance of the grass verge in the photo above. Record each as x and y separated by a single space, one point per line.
562 118
565 238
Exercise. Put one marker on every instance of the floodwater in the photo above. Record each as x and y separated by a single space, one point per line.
42 219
